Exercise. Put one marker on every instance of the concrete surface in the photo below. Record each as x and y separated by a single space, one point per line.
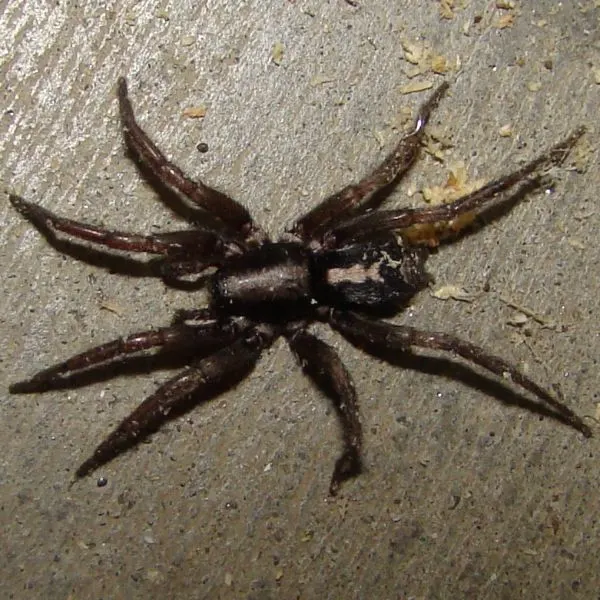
464 496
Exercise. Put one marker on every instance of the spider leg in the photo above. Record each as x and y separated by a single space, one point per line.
385 336
189 314
211 374
171 271
172 243
209 333
376 222
321 362
357 197
229 211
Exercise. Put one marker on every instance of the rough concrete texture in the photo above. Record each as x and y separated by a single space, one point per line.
465 494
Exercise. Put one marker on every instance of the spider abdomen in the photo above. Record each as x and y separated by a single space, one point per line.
271 281
373 275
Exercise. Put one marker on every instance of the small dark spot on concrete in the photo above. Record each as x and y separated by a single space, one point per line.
455 501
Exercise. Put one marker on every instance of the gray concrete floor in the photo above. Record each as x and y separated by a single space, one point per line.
463 496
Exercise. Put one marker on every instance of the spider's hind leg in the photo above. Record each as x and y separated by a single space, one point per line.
321 362
179 336
381 337
188 250
210 375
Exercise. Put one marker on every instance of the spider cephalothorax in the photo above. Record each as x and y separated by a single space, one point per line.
341 263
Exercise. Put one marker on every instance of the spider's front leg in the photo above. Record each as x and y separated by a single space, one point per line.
321 362
356 198
379 337
230 212
207 334
375 223
208 376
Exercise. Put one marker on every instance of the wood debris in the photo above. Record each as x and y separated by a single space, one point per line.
195 112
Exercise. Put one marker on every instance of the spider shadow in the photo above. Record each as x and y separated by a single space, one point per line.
450 369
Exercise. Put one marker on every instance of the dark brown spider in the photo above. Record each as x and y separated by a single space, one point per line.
341 263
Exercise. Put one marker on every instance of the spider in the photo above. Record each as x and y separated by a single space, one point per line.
343 263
